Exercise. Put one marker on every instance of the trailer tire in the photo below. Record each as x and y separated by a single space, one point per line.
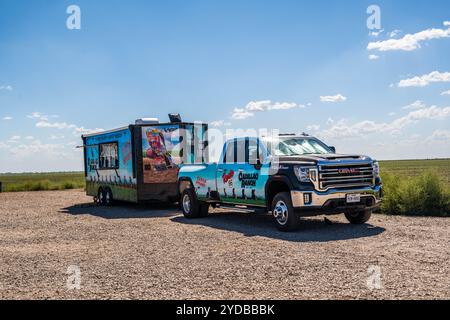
358 217
284 214
191 207
100 197
108 196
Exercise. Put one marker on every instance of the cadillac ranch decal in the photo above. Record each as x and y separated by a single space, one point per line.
248 179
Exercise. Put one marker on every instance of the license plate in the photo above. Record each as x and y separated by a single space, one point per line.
353 198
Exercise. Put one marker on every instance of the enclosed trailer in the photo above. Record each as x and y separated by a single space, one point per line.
140 162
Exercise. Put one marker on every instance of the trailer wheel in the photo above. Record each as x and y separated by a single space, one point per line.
358 217
109 200
283 212
191 207
100 197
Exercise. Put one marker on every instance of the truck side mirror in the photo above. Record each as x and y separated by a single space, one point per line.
333 149
258 164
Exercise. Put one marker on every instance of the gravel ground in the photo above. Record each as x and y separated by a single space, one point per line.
133 252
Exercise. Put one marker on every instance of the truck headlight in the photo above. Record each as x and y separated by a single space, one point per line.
376 168
303 174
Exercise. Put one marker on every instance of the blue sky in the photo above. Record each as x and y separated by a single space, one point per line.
291 65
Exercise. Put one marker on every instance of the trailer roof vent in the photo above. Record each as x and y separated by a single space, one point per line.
147 121
175 118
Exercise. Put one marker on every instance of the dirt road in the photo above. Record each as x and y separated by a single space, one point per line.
140 252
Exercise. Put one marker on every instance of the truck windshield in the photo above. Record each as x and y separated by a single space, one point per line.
298 146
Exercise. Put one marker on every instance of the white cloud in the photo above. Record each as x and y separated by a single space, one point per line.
262 106
391 114
440 135
15 138
241 114
313 128
83 130
220 123
374 57
409 42
29 138
43 122
376 33
7 88
337 98
415 105
38 116
425 80
56 136
445 93
447 23
7 118
36 147
342 129
394 33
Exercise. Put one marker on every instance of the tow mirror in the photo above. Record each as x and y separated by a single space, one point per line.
258 165
333 149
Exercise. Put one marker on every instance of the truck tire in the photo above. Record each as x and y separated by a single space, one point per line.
284 214
358 217
191 207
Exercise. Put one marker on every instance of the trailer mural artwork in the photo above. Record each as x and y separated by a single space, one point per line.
161 153
109 159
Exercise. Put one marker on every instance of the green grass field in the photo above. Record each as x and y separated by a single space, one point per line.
411 187
42 181
413 168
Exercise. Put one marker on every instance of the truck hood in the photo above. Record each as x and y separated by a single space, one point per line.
324 157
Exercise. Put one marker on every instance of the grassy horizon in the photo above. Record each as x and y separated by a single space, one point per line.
411 187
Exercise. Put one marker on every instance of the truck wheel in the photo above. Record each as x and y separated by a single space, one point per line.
108 196
358 217
285 217
190 205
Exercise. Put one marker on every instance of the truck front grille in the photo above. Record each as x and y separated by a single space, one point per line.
346 176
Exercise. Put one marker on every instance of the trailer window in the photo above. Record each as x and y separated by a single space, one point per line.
109 156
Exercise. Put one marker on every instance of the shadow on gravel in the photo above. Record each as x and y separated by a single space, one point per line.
124 210
262 225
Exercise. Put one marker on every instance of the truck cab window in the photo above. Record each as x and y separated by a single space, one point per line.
230 153
254 152
241 151
109 156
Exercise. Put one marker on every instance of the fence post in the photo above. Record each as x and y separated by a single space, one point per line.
1 187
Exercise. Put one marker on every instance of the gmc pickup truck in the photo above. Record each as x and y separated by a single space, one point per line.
291 176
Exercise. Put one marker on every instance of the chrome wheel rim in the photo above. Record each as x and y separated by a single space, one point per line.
280 212
186 203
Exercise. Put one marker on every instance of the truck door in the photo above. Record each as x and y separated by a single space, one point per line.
239 175
227 173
